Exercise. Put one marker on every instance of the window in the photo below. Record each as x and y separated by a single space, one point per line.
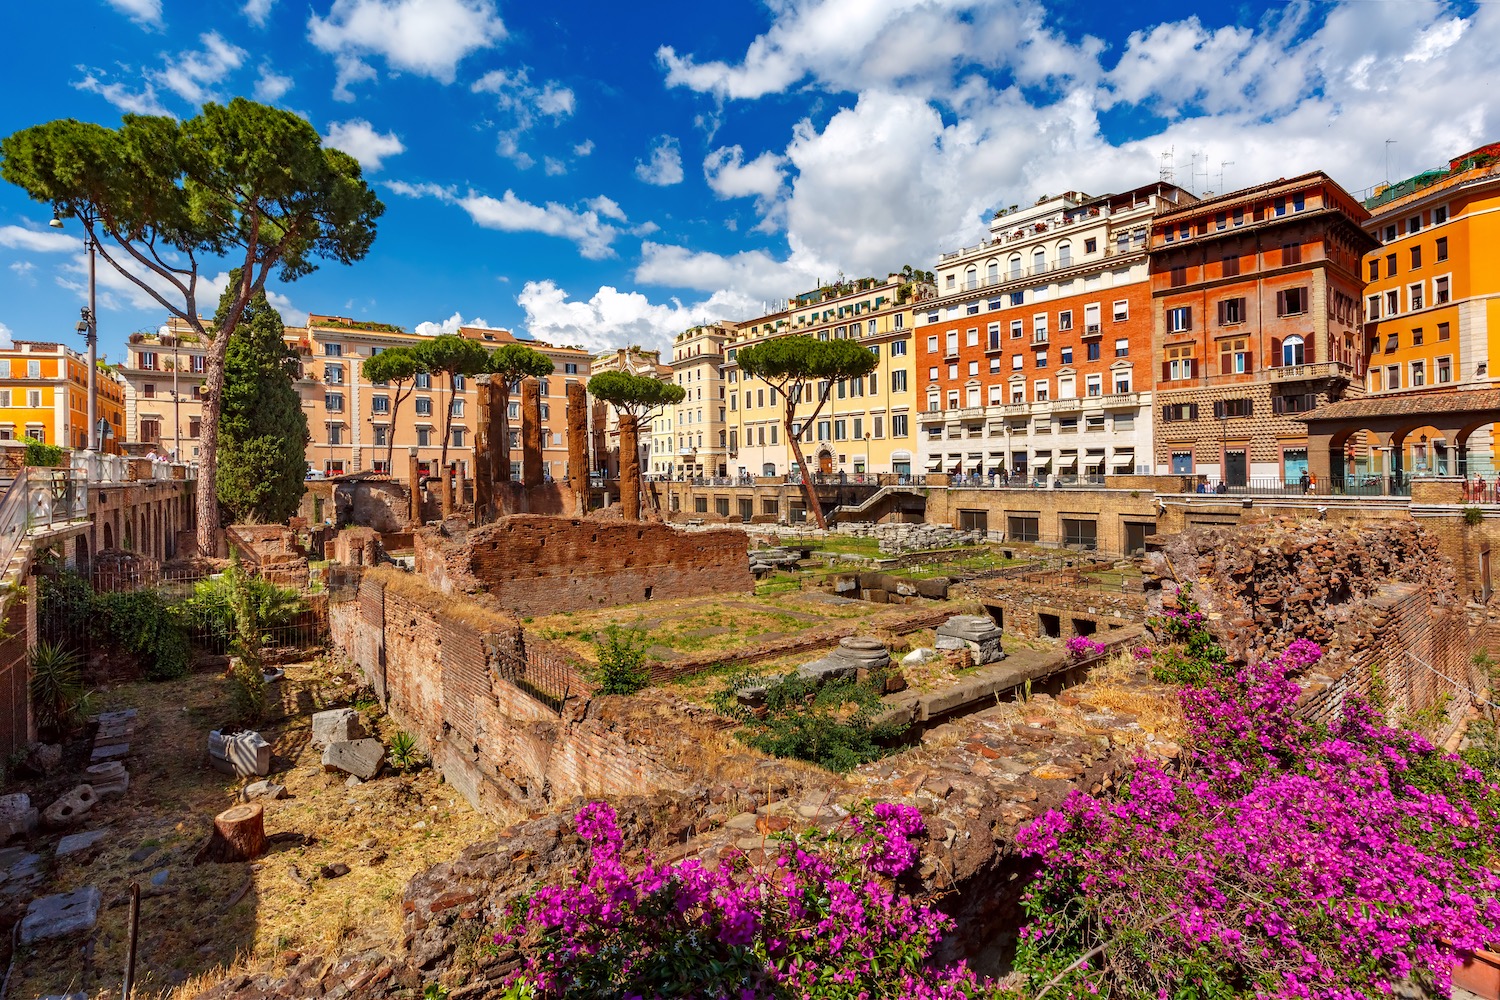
898 425
1291 301
1416 336
334 402
1017 361
1182 463
570 368
973 368
932 344
994 365
1015 329
424 437
1023 529
1291 253
148 363
1039 328
1418 374
898 380
1225 408
1444 331
335 433
1414 295
1090 245
1292 350
424 408
971 337
1393 376
456 408
1122 348
1065 355
333 350
1179 276
898 348
1093 385
993 334
1392 302
1179 319
1039 390
1179 363
1065 320
1122 310
1231 265
1375 269
380 404
1172 413
198 364
1439 291
1416 257
150 429
1444 370
1091 350
1372 308
1041 359
1414 224
1122 385
422 380
1440 215
148 390
382 435
1091 319
950 344
1442 248
1234 356
1231 312
333 374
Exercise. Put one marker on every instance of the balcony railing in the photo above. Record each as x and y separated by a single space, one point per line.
1311 372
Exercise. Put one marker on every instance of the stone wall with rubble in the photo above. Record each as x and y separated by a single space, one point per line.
1381 598
895 538
1057 604
504 717
537 565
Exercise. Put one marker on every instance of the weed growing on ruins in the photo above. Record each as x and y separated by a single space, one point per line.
834 724
403 752
59 697
1290 860
821 917
1192 655
1473 516
622 661
211 611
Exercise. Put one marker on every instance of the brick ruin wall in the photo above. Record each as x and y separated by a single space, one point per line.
1060 606
455 675
1381 598
537 565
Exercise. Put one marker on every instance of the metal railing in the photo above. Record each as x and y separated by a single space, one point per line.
39 499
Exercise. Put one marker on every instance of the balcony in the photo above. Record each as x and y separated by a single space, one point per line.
1313 372
1116 400
1093 330
1039 339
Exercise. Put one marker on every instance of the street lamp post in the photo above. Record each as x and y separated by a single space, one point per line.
88 325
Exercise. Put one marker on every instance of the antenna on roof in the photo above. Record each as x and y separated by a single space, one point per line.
1388 159
1168 163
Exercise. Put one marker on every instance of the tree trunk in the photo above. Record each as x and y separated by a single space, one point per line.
239 835
206 494
630 467
809 493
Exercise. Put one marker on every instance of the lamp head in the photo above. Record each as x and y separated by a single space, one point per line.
56 223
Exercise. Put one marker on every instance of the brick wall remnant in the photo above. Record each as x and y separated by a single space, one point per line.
486 442
537 565
578 454
531 432
413 476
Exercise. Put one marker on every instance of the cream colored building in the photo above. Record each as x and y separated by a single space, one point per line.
868 424
701 420
163 376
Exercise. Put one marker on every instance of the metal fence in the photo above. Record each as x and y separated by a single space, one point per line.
38 500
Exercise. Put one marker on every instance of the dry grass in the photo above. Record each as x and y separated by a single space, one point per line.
198 922
1124 686
465 608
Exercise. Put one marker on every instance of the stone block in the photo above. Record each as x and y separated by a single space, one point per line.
75 842
864 652
113 751
108 778
241 754
919 656
60 915
17 815
361 758
263 790
829 668
977 633
70 808
339 725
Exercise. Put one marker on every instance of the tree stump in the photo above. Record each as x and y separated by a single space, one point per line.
239 835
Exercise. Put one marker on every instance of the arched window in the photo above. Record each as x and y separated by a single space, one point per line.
1038 261
1291 350
1015 266
971 277
993 272
1064 254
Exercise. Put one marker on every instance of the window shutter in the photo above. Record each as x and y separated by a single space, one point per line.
1192 411
1166 413
1276 350
1166 371
1249 361
1281 303
1249 407
1192 367
1188 318
1307 349
1221 313
1218 409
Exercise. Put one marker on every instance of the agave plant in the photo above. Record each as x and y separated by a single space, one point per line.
58 695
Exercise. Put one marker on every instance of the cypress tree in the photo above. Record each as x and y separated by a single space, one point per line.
263 431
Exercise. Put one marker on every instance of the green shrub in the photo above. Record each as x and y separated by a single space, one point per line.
142 623
833 725
58 695
45 455
1472 516
221 605
403 753
622 661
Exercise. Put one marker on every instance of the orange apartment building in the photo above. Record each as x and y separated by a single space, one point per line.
1256 312
1432 305
1035 359
44 396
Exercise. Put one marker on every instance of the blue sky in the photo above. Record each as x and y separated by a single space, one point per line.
604 174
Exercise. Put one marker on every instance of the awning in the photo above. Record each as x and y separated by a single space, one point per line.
1068 462
1123 460
935 465
900 456
1040 463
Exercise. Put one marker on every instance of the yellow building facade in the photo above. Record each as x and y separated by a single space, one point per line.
44 396
1432 300
868 425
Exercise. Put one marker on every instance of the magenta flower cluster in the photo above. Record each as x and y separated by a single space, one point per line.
1291 860
820 918
1081 647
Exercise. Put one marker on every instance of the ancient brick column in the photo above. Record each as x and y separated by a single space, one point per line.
414 479
531 432
578 446
602 460
484 450
448 475
630 468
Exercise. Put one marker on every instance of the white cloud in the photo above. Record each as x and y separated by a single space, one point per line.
585 227
271 86
426 37
664 167
752 273
612 318
6 338
449 325
40 240
729 176
584 148
194 75
135 102
146 13
553 166
523 104
258 11
23 269
359 139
